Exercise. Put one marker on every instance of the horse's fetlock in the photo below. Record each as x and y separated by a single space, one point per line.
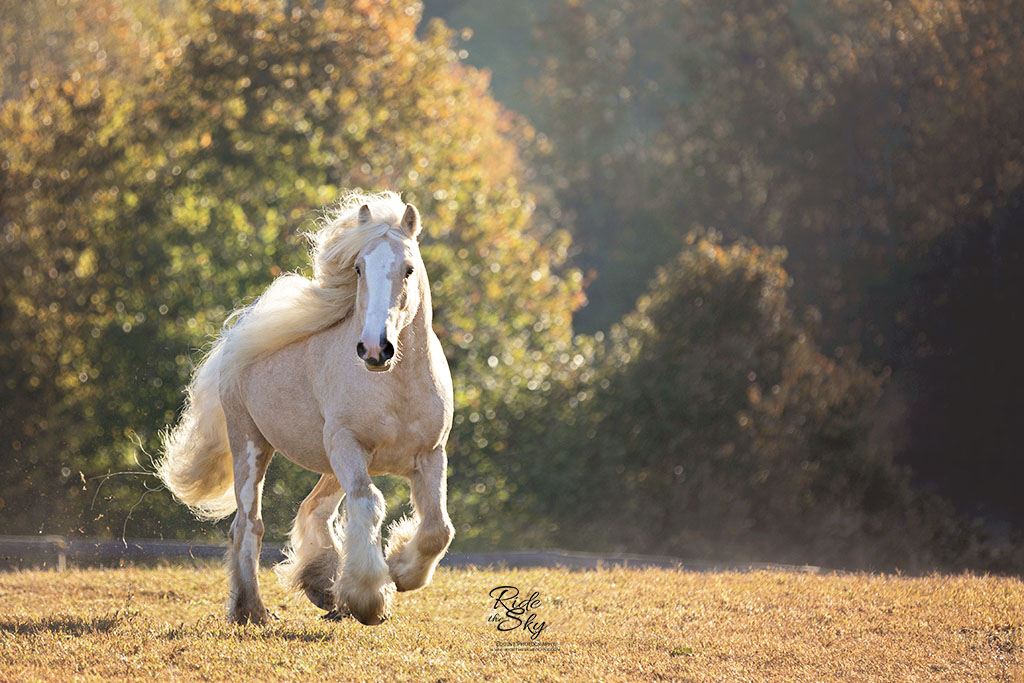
435 541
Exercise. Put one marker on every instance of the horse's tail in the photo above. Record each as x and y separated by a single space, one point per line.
196 465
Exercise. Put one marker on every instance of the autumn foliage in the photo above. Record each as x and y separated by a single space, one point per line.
155 175
159 161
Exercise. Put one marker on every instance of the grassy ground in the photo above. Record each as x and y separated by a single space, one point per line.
602 625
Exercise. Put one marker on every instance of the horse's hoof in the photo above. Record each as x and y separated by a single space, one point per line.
405 584
370 614
321 598
336 614
255 618
372 621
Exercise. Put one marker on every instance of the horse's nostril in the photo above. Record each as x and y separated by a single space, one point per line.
361 350
388 352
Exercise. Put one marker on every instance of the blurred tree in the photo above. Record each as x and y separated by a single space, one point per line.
881 143
496 37
139 208
708 424
156 166
70 81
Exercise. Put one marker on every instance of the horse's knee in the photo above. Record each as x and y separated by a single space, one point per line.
243 525
365 504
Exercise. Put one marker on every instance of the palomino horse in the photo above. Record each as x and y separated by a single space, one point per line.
344 375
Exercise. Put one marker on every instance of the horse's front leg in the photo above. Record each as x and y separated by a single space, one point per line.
365 585
251 455
417 544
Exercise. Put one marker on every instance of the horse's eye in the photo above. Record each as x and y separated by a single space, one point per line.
358 272
408 271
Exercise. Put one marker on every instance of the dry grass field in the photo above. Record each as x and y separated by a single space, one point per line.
614 624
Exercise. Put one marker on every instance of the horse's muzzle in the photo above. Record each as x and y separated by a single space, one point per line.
377 356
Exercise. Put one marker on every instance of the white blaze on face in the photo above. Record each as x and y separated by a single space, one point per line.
378 285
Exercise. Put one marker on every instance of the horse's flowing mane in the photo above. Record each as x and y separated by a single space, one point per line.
291 309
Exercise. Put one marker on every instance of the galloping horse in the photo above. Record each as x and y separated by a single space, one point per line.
343 375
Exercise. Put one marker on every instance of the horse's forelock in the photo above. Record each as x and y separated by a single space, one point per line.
340 236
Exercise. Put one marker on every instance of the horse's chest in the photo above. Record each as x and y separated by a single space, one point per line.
402 431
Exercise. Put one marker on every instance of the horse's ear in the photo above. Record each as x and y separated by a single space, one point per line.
364 214
411 221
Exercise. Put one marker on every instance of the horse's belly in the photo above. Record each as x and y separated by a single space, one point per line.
300 438
286 414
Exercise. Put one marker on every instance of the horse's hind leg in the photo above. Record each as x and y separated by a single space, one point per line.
417 544
314 558
251 455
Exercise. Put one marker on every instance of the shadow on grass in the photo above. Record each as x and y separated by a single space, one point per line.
298 633
64 624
